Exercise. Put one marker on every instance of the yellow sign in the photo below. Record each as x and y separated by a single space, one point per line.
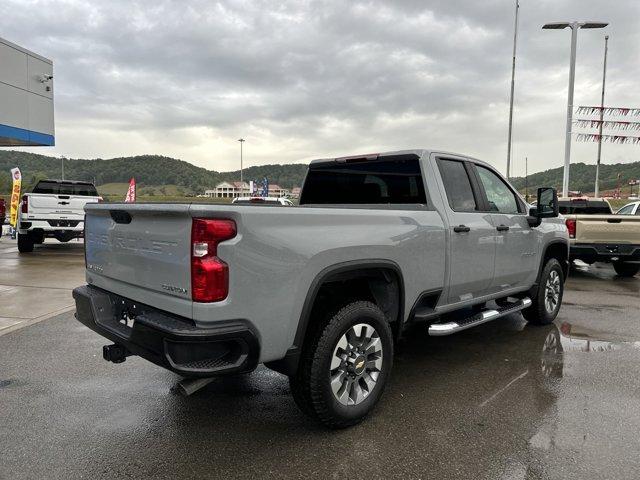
15 196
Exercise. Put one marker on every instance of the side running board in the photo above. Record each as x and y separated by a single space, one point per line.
441 329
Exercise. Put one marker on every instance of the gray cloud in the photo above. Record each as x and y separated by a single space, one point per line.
304 79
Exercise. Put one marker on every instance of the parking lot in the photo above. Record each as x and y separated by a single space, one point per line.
504 400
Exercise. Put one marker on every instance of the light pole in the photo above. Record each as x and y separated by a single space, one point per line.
526 179
513 75
604 78
241 140
575 26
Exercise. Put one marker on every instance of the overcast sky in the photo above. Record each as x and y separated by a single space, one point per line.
305 79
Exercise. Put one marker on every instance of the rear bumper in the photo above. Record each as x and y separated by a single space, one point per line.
51 225
167 340
604 252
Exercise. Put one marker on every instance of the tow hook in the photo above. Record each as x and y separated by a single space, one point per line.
115 353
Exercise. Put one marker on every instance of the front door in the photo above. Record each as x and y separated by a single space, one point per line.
472 234
516 242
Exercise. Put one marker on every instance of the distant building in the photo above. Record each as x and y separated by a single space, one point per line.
295 192
241 189
277 191
228 190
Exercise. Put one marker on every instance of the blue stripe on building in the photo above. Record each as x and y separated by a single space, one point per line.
28 137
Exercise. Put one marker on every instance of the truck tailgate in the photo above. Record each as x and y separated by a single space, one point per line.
612 229
144 246
46 205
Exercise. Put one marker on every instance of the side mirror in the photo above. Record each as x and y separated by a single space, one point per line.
546 206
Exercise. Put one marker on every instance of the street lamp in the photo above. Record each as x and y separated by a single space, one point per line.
572 76
241 140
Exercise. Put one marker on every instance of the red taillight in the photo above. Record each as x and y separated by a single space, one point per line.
209 274
25 204
571 227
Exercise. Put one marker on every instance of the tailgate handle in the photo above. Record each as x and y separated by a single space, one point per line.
120 216
63 197
614 220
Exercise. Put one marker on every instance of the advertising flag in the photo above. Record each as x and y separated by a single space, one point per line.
265 187
131 192
15 196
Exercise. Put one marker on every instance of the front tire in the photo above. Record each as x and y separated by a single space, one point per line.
345 366
548 299
625 269
25 243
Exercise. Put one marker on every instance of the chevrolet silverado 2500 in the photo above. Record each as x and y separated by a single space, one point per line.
597 235
55 209
321 291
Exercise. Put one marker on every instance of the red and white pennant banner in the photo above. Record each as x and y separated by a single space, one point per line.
607 124
594 137
616 111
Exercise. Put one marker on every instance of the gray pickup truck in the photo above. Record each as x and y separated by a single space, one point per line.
321 292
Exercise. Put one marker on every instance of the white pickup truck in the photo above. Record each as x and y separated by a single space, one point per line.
55 209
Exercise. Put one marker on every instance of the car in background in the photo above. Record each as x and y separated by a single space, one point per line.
632 208
597 235
55 209
285 202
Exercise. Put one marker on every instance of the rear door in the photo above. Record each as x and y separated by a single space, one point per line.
516 242
472 234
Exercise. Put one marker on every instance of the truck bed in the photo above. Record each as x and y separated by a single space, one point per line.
142 252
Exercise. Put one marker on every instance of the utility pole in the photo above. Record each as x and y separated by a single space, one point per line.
513 77
604 79
241 140
62 163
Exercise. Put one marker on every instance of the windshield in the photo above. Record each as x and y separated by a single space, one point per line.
65 188
583 207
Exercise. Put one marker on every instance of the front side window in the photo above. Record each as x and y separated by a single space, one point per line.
501 198
626 210
457 186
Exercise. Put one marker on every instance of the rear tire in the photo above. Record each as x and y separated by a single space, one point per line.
345 366
625 269
548 299
25 243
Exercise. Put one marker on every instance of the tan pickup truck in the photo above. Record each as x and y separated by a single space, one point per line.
597 235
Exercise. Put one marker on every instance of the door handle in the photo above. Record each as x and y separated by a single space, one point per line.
502 228
461 229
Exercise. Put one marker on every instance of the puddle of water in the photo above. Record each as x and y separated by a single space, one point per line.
576 338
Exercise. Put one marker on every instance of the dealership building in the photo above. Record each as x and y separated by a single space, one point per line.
26 97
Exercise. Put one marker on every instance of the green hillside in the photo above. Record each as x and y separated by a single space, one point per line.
165 176
582 177
177 177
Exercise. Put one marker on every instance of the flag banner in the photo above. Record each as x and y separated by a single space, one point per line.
614 111
607 124
594 137
265 187
131 192
16 175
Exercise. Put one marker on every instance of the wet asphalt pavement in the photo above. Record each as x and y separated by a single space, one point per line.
501 401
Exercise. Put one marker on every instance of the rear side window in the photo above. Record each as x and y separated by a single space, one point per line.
582 207
65 188
390 180
457 186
